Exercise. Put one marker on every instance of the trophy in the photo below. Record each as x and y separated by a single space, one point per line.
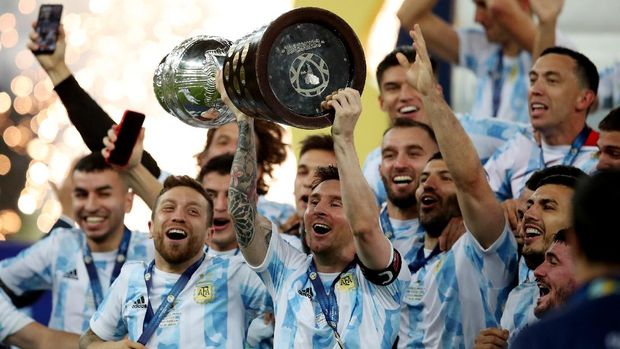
280 72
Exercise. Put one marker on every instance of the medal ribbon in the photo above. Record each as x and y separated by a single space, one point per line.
498 82
420 261
152 321
571 156
89 262
328 303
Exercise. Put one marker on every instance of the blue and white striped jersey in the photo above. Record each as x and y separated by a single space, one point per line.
485 59
276 212
511 166
213 310
407 237
56 263
368 313
609 87
12 320
458 293
519 310
488 135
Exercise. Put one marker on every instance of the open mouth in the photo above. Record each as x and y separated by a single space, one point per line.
532 232
428 200
176 234
410 109
537 108
93 219
543 289
220 223
402 179
321 228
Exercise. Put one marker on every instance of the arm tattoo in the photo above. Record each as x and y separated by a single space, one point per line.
242 193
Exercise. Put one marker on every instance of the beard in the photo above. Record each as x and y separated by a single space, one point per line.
178 254
401 201
532 258
434 223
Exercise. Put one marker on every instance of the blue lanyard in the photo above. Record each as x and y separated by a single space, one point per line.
328 303
420 261
152 321
386 225
575 147
598 288
89 262
498 82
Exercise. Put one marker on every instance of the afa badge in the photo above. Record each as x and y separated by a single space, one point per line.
204 293
346 282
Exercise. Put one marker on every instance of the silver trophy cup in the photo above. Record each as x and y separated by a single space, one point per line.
280 72
184 81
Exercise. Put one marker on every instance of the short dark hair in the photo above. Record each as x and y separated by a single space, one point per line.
220 164
558 174
611 122
436 156
586 71
93 162
270 150
390 60
405 123
595 217
316 142
560 236
185 181
324 173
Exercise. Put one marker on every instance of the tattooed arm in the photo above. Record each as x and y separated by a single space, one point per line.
253 230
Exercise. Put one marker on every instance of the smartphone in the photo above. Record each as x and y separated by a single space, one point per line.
127 134
47 27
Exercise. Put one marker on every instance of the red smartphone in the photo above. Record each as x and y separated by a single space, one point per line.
47 27
127 134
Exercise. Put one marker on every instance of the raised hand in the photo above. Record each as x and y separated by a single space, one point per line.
53 63
420 72
347 105
492 338
136 153
547 10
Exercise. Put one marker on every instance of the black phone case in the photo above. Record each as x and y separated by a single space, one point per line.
47 27
127 135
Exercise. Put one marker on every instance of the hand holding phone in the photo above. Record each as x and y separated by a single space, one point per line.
126 136
47 26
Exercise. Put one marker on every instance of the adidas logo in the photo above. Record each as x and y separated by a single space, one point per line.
140 303
72 274
307 292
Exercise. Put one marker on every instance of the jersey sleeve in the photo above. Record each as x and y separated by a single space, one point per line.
107 322
32 269
280 261
12 320
473 47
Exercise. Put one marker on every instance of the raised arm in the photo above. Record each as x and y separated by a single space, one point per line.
253 230
482 213
85 114
443 41
547 12
138 178
358 200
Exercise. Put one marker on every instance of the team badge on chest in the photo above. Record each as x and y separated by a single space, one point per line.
204 293
347 282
